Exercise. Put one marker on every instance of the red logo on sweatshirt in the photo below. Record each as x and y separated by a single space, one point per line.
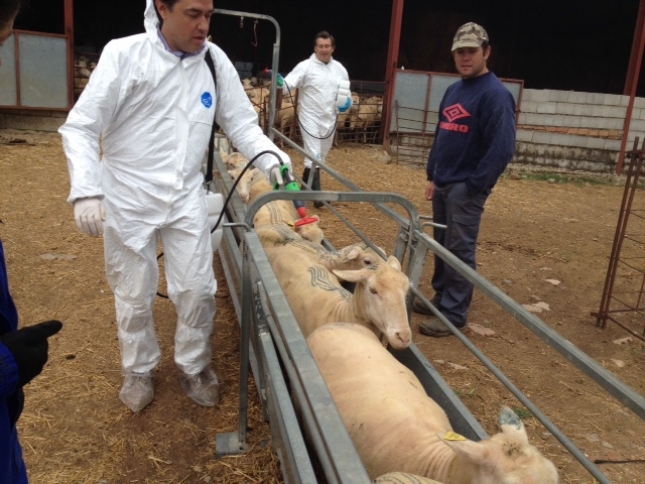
454 112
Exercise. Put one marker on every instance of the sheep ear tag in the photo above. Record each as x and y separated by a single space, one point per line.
453 437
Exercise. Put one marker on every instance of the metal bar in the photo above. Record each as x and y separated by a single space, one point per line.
296 464
563 439
390 66
40 34
613 385
279 400
629 330
615 250
244 348
276 56
69 33
638 33
632 96
359 196
340 178
426 109
329 436
631 185
17 54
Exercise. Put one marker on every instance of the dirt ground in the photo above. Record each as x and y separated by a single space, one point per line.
75 430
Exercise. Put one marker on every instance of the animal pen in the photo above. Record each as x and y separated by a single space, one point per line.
308 433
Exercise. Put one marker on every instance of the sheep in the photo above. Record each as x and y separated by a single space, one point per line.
283 212
234 160
252 185
340 126
343 118
284 119
277 212
243 187
363 118
317 298
259 185
258 95
290 96
404 430
352 257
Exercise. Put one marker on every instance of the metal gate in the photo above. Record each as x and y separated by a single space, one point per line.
623 298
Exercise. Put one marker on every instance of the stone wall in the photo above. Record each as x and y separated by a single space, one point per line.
32 119
556 130
575 131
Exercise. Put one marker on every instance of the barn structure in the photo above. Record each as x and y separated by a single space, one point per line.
579 62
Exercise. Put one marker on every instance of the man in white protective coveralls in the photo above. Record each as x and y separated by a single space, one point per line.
323 86
152 100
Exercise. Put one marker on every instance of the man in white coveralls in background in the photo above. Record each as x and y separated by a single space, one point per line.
323 85
152 100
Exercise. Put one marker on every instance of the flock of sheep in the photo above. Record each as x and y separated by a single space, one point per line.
361 123
402 435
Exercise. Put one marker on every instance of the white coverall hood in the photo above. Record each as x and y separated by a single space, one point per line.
150 19
152 111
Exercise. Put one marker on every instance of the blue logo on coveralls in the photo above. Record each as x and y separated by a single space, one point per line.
207 100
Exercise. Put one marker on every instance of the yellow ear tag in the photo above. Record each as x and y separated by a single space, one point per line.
290 223
451 436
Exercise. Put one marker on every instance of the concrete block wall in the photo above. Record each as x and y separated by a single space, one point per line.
32 119
575 130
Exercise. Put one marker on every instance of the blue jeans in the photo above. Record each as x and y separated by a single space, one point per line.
461 212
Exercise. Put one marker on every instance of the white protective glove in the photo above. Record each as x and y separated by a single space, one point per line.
89 215
276 176
275 172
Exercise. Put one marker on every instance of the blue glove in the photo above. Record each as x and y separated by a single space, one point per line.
346 106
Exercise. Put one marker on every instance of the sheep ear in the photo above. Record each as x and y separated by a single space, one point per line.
355 253
510 423
473 451
353 276
394 263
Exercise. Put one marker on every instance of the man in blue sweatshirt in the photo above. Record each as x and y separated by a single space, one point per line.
474 142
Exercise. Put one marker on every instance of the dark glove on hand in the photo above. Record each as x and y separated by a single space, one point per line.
29 348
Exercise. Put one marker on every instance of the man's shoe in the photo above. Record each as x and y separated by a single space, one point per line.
419 307
434 327
137 391
203 387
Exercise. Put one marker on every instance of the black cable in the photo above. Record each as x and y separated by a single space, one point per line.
300 124
230 194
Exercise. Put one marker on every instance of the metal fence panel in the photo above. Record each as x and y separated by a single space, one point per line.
411 90
9 91
43 71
